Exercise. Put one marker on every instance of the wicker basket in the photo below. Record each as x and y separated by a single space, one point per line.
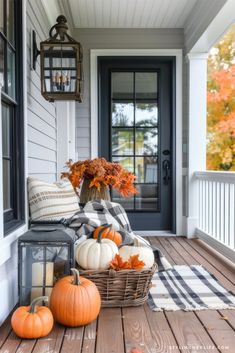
121 288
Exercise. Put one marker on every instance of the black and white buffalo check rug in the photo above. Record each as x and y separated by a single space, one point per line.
188 288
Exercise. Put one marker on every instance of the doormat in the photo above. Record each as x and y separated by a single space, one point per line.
188 288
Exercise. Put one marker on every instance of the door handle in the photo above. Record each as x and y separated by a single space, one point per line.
166 168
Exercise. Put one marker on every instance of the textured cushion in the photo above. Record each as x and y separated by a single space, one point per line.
51 201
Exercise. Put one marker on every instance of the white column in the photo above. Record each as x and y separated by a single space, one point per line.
65 115
197 72
1 175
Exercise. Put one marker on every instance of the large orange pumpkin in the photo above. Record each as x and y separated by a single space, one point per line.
75 301
32 321
108 232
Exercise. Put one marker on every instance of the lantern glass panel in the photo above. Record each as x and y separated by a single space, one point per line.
60 72
41 267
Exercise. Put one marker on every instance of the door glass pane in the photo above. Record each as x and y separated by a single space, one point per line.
146 114
122 114
122 141
1 16
134 137
6 131
127 203
122 85
11 72
6 184
147 197
146 85
146 141
146 170
10 22
126 162
2 62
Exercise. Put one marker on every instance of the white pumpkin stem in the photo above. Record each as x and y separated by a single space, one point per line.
99 237
76 276
32 308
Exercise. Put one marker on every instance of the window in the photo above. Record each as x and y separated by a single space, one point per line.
12 113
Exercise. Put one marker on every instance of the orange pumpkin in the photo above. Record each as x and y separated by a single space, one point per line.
32 321
75 301
108 232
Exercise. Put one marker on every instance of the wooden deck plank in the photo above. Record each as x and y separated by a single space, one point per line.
209 318
203 261
187 258
220 331
137 333
5 330
230 315
161 332
190 333
172 252
52 342
178 254
26 346
155 242
109 334
11 344
72 341
89 338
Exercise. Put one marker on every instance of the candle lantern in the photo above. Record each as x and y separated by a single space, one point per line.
44 255
61 64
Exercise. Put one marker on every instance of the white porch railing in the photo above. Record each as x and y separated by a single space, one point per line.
216 213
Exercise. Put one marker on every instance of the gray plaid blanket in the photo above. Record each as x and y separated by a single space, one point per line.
97 213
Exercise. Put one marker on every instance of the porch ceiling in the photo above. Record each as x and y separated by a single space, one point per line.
130 14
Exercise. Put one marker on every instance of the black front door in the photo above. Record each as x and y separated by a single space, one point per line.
135 129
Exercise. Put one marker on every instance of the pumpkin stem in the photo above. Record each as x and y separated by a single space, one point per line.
32 308
76 276
105 226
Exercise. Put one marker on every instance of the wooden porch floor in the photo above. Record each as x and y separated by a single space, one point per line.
119 330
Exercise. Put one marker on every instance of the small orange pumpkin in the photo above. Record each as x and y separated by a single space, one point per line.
32 321
107 231
75 301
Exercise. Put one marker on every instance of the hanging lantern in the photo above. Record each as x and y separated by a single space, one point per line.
61 64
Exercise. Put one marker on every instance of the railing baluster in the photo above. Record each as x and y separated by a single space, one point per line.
216 207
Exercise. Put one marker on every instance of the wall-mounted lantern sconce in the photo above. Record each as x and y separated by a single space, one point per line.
61 64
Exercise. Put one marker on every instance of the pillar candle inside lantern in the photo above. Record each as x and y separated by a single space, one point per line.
37 279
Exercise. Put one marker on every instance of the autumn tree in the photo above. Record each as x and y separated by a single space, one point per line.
221 104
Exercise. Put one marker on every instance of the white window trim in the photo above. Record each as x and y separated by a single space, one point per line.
6 242
177 53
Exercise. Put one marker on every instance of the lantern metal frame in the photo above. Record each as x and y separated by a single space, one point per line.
58 37
42 238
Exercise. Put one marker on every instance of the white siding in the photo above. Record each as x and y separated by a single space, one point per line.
42 135
41 145
114 39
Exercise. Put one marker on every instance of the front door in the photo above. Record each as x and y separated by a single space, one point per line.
135 130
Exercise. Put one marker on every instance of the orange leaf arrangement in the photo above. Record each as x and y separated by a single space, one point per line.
101 173
133 263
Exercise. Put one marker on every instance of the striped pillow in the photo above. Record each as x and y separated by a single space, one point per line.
51 201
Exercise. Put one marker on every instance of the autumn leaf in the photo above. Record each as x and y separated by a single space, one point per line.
135 263
118 264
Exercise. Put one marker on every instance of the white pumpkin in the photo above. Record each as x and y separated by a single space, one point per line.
144 252
94 254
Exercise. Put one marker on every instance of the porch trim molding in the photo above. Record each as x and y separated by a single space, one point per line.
197 73
177 53
216 245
